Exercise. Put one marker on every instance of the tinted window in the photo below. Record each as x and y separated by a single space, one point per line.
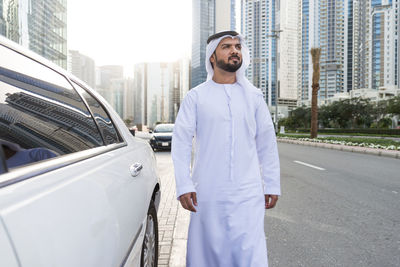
104 122
164 128
41 115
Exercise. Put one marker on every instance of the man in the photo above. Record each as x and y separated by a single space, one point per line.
236 171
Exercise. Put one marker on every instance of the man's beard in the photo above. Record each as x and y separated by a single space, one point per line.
228 66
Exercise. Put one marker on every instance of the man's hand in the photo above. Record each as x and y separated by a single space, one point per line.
187 200
270 201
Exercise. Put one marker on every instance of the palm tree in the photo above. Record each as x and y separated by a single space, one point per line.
315 54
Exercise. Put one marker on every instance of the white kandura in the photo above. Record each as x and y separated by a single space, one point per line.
236 163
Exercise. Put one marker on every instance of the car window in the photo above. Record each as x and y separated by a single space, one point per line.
41 115
103 120
164 128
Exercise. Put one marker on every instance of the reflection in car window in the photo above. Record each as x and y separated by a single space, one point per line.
103 120
42 119
3 165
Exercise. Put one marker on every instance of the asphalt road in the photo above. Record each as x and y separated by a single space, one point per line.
345 212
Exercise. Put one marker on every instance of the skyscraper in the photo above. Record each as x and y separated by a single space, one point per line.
375 44
39 25
109 77
288 43
209 16
154 86
82 67
383 56
332 43
308 35
258 21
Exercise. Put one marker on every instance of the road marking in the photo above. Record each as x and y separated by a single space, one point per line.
394 192
309 165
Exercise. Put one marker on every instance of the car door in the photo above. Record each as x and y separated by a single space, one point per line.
80 205
138 187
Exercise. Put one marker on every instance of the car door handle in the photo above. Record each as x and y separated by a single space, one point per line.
135 169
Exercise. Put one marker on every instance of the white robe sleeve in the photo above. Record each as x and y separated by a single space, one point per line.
181 150
267 149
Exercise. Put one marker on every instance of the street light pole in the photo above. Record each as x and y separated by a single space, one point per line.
275 35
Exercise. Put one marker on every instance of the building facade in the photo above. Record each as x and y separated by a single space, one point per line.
109 78
332 43
82 67
258 21
203 26
375 44
288 48
308 37
209 17
39 25
158 91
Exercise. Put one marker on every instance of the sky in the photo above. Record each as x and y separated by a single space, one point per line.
125 32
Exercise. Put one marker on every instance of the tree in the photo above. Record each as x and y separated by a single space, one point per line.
394 106
315 54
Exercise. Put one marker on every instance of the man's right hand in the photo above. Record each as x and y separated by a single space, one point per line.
188 201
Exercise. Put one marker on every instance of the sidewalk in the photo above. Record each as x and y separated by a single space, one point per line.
173 223
364 150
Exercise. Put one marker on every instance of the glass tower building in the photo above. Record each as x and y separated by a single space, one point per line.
332 42
308 35
39 25
383 54
209 16
258 21
203 27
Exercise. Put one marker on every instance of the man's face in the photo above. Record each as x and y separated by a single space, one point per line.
228 55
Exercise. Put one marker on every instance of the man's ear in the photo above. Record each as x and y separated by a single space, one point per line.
212 60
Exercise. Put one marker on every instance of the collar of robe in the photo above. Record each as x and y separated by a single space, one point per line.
248 88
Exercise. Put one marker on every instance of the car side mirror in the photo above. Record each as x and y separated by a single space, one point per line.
150 131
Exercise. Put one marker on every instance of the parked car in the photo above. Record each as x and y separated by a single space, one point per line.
76 188
162 136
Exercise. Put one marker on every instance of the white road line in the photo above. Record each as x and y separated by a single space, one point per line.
309 165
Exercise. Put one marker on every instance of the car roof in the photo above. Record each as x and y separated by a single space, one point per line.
36 57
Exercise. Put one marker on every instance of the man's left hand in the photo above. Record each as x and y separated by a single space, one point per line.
270 201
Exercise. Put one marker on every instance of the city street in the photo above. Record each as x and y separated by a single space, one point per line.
336 209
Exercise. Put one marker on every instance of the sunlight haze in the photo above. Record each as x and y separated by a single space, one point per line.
128 32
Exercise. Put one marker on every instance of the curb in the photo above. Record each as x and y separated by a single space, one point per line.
356 149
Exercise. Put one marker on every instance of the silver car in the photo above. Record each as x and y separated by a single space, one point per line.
76 188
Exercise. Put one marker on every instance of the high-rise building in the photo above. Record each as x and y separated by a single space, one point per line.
108 74
140 94
82 67
39 25
153 85
375 44
203 26
308 36
179 86
350 41
383 55
158 91
209 17
332 43
288 43
258 21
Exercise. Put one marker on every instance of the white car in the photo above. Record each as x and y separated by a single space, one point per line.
76 188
